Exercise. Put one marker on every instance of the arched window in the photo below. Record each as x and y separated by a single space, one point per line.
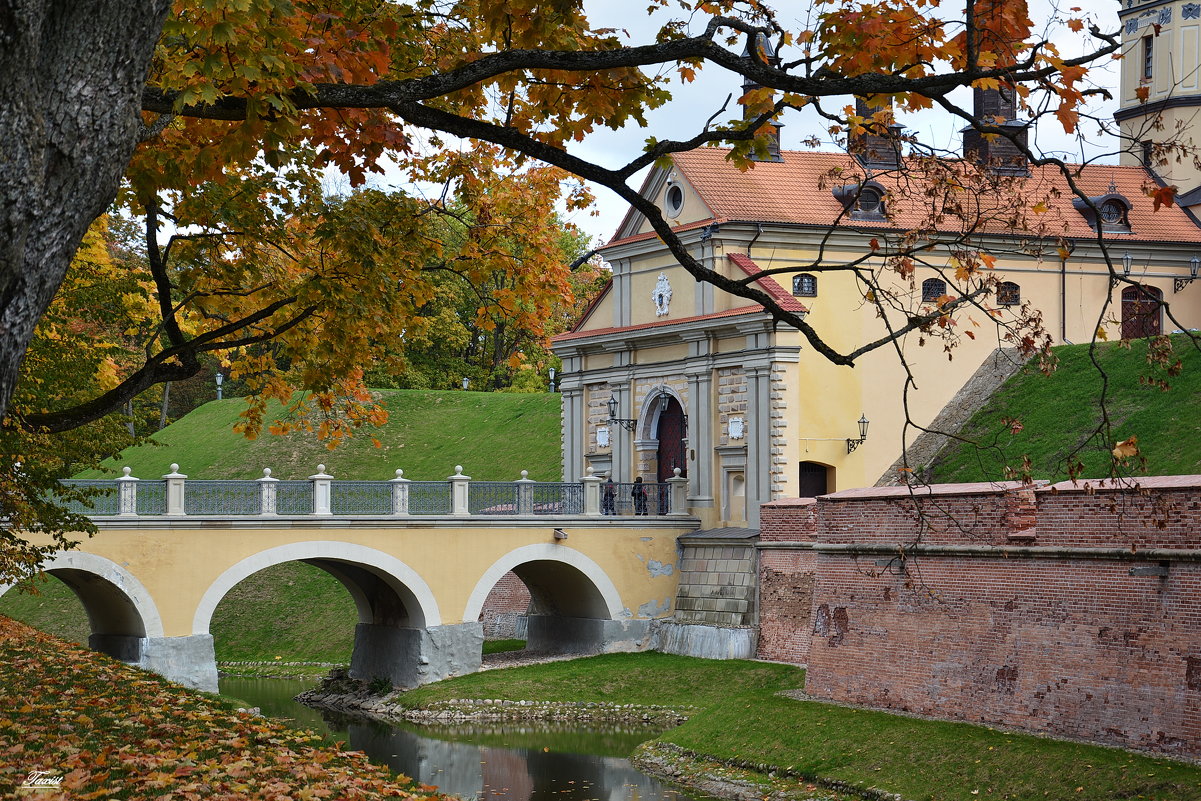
804 285
1009 294
933 289
1114 215
814 479
1141 315
870 202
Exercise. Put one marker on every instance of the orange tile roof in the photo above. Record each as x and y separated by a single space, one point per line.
768 284
592 332
799 191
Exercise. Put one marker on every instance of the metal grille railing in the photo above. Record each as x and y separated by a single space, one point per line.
203 497
492 498
634 499
429 498
103 498
360 497
558 499
152 497
294 498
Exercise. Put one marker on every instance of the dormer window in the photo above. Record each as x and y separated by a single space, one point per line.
862 201
804 285
871 201
1113 214
1110 212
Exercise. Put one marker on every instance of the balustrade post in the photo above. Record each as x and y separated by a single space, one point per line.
678 494
175 492
458 492
267 493
321 491
127 494
400 493
525 494
592 504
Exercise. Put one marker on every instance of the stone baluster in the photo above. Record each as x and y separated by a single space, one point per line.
175 492
267 493
400 493
321 491
592 491
127 494
525 494
677 494
458 492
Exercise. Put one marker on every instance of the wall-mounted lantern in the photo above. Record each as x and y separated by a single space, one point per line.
626 423
1193 265
853 443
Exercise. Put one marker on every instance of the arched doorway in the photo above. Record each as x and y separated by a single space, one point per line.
1140 312
671 433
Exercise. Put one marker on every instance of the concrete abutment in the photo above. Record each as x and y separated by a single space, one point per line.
411 657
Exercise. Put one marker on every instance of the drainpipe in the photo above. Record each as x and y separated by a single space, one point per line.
758 233
1063 293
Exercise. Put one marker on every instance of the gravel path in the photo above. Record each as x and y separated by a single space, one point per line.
508 659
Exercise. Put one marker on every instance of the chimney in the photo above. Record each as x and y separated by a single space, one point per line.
763 45
1000 154
876 148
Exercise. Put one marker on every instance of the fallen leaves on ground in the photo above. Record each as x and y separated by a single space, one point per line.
112 731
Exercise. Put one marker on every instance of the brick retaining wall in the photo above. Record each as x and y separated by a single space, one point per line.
1018 607
508 601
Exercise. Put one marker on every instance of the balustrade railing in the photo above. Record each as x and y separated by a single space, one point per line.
176 495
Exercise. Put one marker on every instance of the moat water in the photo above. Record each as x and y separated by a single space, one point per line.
505 762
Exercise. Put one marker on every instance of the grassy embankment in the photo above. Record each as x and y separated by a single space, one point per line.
1059 414
294 611
740 718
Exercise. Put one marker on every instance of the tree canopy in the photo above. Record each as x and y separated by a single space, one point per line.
222 118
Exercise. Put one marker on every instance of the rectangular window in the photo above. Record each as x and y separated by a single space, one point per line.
1147 154
1148 57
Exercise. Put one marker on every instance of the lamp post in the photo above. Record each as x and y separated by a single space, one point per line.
552 379
853 443
220 378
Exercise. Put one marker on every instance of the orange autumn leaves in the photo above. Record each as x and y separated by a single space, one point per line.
112 731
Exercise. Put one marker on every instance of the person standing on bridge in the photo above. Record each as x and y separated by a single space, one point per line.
609 497
638 493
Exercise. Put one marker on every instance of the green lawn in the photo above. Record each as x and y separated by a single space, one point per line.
740 717
494 435
1059 414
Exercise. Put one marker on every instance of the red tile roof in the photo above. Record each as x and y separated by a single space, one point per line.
592 332
768 284
799 191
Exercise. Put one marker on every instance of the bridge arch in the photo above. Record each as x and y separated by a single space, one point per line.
121 612
543 562
575 606
385 590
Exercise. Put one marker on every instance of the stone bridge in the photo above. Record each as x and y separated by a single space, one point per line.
151 581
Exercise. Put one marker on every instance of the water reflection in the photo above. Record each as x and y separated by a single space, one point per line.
520 762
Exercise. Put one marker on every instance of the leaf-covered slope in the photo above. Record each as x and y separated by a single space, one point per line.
109 730
494 436
1059 416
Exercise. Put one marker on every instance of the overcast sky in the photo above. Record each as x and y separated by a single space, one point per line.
696 102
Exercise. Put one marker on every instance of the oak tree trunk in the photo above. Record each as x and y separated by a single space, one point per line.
71 79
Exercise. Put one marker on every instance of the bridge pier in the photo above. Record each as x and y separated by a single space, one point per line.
186 660
412 657
585 635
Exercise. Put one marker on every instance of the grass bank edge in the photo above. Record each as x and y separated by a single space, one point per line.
743 720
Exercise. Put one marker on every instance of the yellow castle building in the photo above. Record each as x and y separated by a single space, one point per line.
666 373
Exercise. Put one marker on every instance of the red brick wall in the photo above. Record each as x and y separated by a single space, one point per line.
508 600
1070 645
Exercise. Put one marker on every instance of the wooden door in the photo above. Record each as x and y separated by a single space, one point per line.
672 452
1140 312
814 480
